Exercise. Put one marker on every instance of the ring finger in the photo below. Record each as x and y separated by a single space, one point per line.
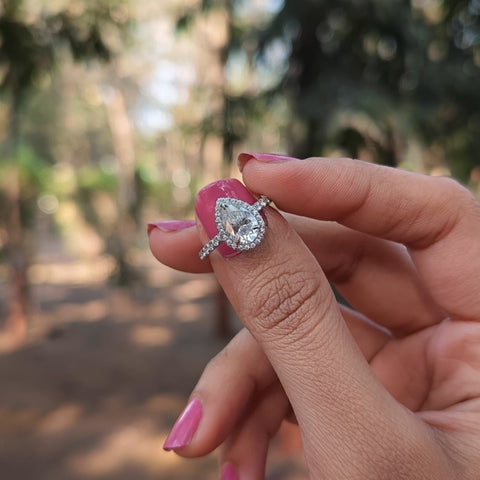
234 381
376 276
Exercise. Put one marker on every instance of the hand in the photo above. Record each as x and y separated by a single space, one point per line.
389 389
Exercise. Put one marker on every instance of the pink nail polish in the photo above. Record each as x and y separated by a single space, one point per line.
185 427
170 225
207 199
245 157
229 472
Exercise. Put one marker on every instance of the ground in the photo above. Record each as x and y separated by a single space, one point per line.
103 373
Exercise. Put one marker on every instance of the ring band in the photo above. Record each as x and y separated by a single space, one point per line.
239 225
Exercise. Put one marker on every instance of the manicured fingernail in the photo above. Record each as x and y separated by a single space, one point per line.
245 157
185 427
205 206
229 472
170 225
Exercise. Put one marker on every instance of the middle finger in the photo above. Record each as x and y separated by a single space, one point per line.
377 277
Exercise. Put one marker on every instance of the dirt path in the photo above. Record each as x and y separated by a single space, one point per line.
101 379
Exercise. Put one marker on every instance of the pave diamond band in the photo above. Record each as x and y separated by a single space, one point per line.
239 225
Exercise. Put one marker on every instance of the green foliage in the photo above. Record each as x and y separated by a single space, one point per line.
33 44
28 48
384 59
35 172
410 69
184 22
92 178
33 175
21 54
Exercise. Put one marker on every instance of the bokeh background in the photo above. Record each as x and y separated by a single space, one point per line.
112 114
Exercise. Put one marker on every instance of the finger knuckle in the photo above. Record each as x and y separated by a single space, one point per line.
217 362
287 303
456 192
447 204
457 202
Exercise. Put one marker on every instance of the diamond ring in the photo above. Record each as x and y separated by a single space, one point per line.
239 225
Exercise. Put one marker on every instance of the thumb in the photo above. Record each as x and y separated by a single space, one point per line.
352 428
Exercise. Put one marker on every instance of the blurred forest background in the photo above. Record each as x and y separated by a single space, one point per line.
114 113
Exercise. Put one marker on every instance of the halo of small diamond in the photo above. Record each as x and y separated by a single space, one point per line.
234 242
209 247
262 203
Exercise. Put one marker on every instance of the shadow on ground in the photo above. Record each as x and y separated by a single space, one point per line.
101 379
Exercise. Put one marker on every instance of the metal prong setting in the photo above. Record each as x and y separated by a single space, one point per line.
223 236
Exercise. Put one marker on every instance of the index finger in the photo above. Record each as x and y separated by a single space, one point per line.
436 218
282 296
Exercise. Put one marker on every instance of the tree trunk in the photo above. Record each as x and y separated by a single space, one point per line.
17 260
124 148
16 247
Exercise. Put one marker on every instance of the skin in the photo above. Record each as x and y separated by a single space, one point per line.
389 389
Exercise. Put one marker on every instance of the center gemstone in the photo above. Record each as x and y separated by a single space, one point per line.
239 221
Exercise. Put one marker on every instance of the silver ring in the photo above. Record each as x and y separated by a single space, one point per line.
239 225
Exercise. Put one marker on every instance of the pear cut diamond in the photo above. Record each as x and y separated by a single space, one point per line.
240 224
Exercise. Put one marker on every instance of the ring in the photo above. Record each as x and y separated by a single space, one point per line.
239 225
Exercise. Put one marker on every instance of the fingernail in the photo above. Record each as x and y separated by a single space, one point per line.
185 427
229 472
245 157
170 225
205 206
